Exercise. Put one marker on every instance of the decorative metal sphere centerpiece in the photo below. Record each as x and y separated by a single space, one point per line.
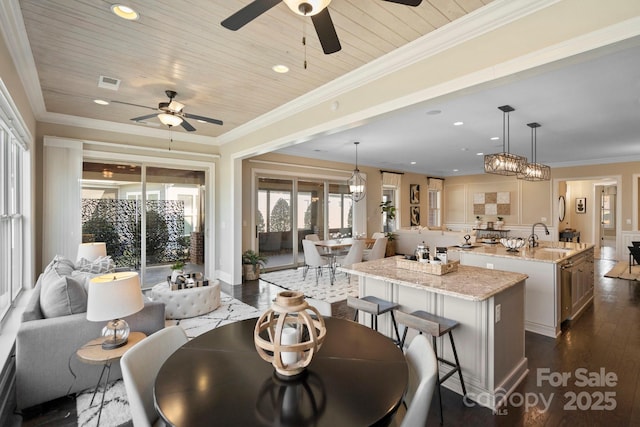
287 336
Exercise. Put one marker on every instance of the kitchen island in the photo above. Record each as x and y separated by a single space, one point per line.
560 279
488 305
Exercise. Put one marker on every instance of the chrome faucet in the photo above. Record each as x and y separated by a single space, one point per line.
533 238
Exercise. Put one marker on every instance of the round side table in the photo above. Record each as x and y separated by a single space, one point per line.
92 353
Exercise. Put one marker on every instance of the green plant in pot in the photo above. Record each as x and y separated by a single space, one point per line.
251 263
390 210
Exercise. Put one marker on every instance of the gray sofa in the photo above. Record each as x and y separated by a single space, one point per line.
46 364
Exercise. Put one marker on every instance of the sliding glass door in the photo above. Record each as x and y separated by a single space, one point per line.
274 220
149 217
288 209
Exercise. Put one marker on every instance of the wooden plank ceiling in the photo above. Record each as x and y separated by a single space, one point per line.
217 73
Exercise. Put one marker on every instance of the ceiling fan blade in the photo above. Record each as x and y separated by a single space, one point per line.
326 31
185 124
248 14
134 105
406 2
204 119
142 118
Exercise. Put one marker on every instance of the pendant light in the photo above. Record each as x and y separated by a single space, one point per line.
357 183
504 163
535 171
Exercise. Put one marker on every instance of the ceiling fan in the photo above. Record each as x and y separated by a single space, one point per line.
171 114
317 9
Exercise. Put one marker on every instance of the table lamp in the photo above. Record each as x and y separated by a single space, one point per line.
91 251
111 297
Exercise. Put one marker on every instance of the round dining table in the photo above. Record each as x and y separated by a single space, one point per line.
357 378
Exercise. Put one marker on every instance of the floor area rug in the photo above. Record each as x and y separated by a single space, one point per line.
292 280
116 407
621 271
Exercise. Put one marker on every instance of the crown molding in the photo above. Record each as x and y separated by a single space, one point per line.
12 27
483 20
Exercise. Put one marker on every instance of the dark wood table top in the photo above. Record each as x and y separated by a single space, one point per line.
358 378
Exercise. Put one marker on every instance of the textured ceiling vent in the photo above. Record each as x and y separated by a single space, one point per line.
109 83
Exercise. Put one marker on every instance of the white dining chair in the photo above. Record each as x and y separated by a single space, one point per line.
353 256
323 307
423 371
377 235
377 251
312 237
312 259
140 366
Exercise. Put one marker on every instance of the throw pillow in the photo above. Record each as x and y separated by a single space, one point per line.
100 265
61 265
62 296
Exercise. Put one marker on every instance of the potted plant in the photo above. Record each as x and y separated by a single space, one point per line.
177 269
391 246
499 223
390 210
251 263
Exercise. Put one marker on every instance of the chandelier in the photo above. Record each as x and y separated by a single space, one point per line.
504 163
535 171
357 183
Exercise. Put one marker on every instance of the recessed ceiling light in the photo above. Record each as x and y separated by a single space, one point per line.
434 112
458 123
479 154
495 138
101 102
280 68
455 170
413 163
125 12
464 149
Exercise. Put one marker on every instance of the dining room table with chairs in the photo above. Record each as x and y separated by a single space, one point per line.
357 378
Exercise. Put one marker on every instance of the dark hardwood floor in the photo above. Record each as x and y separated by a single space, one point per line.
603 343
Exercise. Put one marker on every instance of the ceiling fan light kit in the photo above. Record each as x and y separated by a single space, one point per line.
170 119
357 183
534 171
307 8
317 10
171 114
505 163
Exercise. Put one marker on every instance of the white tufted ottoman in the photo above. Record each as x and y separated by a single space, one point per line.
189 302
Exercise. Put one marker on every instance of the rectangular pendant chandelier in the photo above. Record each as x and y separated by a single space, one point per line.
534 171
504 163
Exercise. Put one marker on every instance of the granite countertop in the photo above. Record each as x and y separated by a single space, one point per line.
553 252
470 283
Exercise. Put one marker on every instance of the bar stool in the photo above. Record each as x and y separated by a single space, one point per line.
375 306
436 326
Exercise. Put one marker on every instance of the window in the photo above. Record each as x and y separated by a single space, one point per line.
435 209
11 217
389 195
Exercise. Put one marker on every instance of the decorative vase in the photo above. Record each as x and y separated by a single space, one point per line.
251 272
175 274
499 225
478 225
287 336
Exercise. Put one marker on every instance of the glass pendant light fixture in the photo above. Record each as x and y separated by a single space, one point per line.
504 163
357 183
535 171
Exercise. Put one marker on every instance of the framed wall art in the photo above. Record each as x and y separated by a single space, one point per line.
414 194
415 215
581 205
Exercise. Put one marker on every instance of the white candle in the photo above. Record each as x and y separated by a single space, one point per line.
289 336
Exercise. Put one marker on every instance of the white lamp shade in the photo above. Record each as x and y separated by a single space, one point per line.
91 251
316 6
114 296
169 119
